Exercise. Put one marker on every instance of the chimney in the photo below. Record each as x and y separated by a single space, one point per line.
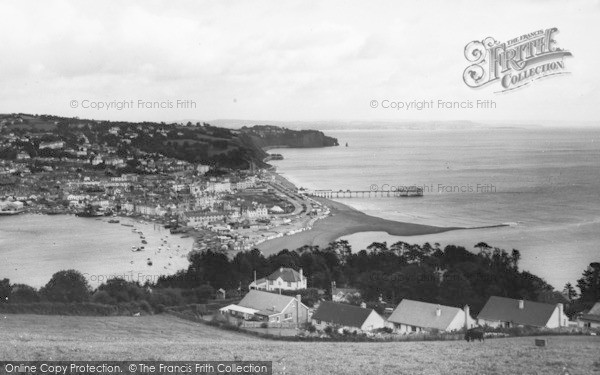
438 311
280 269
467 311
521 304
363 305
301 274
255 278
561 313
298 302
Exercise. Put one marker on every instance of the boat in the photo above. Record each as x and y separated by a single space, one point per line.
346 144
114 221
10 212
126 225
144 242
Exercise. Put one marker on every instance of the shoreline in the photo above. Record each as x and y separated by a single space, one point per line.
344 220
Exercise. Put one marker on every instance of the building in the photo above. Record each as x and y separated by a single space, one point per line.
508 312
260 212
416 316
269 307
53 145
201 219
343 316
282 279
343 294
590 318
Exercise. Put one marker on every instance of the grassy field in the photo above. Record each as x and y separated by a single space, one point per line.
33 337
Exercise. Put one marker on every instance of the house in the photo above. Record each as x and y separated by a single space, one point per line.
590 318
508 312
343 294
269 307
282 279
344 316
52 145
416 316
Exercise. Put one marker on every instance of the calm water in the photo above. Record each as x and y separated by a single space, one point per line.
544 183
33 247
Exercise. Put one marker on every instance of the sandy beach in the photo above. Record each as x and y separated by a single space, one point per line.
342 221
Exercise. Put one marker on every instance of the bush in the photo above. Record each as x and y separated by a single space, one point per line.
310 327
67 286
264 325
103 297
23 294
328 330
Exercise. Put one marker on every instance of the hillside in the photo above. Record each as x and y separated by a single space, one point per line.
29 337
194 143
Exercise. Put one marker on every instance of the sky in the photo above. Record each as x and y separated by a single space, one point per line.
286 60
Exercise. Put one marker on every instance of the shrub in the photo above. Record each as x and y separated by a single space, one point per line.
67 286
310 327
264 325
23 294
103 297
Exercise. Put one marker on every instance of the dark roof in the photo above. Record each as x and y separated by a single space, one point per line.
265 301
592 314
595 310
423 314
286 274
342 314
590 318
504 309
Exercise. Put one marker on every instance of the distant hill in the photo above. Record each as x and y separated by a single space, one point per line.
195 143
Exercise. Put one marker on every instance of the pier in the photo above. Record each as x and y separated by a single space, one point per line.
411 191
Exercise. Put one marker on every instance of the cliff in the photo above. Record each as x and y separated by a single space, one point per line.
266 136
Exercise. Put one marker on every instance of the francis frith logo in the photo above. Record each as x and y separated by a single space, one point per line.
514 63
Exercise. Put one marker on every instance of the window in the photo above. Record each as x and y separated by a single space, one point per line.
318 322
289 284
287 316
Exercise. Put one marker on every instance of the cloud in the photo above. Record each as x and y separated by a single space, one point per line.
297 60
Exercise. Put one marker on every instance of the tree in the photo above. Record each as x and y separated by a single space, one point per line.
67 286
22 293
5 290
589 284
570 292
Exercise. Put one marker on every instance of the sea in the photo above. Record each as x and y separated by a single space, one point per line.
542 183
33 247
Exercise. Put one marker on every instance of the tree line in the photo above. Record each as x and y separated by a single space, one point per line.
383 274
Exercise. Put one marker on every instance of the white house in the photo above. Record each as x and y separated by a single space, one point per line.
269 307
201 218
508 312
591 318
282 279
416 316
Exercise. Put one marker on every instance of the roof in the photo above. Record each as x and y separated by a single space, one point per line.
286 274
593 314
504 309
423 314
346 291
265 301
342 314
237 308
595 310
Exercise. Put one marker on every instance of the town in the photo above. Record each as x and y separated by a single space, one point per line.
91 169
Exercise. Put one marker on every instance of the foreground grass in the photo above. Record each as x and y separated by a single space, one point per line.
34 337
